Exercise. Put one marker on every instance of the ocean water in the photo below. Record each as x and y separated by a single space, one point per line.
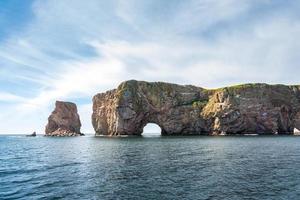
252 167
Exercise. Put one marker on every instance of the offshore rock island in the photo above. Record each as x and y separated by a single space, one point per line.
190 110
64 120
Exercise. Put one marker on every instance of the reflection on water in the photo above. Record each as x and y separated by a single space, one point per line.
150 167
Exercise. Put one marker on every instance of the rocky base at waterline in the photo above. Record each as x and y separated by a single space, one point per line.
64 120
64 133
186 109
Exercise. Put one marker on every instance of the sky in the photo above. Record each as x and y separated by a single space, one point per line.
71 50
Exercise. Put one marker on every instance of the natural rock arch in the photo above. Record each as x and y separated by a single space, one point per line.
186 110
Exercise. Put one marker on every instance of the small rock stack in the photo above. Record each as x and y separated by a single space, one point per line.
64 120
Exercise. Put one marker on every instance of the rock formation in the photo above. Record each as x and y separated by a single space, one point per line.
186 110
32 134
64 120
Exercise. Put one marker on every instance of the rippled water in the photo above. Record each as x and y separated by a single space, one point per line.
150 168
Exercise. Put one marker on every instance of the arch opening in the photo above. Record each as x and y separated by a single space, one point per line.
151 130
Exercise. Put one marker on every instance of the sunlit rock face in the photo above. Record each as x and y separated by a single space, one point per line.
64 120
190 110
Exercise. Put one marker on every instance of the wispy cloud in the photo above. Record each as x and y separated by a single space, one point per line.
11 98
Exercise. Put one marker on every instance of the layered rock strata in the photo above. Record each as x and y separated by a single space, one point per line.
64 120
190 110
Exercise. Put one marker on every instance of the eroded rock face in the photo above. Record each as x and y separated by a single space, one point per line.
185 110
64 120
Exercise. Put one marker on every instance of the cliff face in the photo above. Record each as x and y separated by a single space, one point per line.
183 110
64 120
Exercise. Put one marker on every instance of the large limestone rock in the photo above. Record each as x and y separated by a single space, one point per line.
64 120
185 110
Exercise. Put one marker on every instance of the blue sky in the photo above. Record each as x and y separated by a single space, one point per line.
72 49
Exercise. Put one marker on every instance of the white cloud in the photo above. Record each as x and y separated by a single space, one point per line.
8 97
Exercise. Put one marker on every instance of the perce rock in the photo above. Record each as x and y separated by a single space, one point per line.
185 110
64 120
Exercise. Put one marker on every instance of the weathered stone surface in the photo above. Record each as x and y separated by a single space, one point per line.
184 110
64 120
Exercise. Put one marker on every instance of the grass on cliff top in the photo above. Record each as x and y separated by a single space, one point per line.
241 86
250 85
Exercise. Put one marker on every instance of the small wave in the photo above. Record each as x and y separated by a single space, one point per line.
16 171
61 165
42 168
10 193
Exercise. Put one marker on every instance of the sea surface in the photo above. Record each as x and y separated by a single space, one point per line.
249 167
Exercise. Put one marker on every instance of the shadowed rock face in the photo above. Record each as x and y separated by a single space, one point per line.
185 110
64 120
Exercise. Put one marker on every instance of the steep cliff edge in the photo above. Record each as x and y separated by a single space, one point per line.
183 110
64 120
